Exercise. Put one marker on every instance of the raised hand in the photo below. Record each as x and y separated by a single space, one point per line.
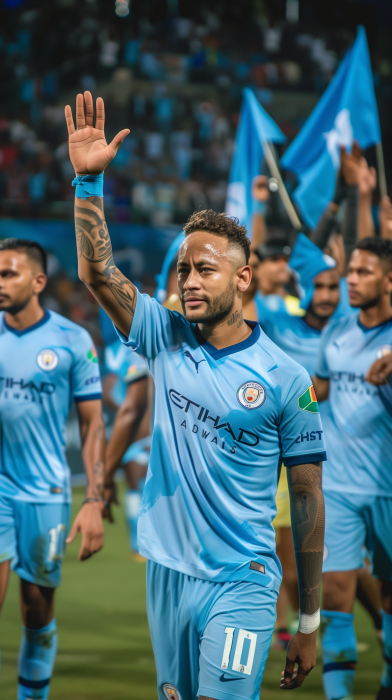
385 217
260 189
88 150
351 164
367 179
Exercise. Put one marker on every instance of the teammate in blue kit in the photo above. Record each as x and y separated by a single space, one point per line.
228 405
126 390
358 482
46 363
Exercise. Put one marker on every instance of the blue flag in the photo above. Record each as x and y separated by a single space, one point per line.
346 111
255 127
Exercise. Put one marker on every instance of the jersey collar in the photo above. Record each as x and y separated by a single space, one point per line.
39 323
231 349
372 328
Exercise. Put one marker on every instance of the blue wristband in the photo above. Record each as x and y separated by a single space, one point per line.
88 186
259 207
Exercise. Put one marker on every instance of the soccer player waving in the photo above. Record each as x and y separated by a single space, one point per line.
46 363
229 405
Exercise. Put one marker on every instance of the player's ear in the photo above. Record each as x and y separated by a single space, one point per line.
388 286
39 282
244 276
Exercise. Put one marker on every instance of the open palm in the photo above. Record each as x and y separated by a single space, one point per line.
88 150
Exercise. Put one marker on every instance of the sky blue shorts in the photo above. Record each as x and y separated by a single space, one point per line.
33 536
353 521
209 638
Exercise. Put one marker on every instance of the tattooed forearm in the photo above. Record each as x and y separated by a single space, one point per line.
307 522
236 317
96 264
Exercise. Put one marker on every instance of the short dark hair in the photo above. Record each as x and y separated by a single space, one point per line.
382 247
220 225
33 250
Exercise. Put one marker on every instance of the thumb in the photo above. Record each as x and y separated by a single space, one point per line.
73 533
117 141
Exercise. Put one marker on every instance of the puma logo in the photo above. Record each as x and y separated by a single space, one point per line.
188 354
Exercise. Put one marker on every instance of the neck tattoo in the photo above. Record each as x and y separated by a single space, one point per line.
236 317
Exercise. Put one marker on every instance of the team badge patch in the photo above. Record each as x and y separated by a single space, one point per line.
170 692
131 370
47 360
383 351
251 395
308 401
92 354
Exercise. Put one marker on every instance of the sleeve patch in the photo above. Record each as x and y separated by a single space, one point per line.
308 401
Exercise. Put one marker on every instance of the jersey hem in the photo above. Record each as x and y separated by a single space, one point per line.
87 397
46 500
272 582
357 492
304 458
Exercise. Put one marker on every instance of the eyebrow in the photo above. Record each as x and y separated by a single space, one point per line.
198 264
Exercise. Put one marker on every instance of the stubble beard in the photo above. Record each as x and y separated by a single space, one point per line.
217 309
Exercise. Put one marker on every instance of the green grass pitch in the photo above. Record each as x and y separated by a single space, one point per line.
104 645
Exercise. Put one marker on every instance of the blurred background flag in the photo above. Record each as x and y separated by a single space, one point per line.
346 111
255 128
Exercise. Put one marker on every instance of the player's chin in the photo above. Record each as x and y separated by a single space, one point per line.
197 315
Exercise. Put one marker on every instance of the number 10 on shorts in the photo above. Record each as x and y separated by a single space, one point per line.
239 647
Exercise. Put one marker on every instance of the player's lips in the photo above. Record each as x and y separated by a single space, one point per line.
193 302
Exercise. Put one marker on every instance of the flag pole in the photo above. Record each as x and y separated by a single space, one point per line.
382 182
286 201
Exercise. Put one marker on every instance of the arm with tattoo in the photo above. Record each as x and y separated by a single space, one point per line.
90 155
307 522
89 519
115 293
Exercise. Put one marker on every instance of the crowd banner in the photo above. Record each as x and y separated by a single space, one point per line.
346 111
255 128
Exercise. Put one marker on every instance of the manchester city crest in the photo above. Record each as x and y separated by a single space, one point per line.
251 395
47 360
170 692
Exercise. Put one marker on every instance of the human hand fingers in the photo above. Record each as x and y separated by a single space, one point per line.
100 114
88 101
74 531
69 120
80 117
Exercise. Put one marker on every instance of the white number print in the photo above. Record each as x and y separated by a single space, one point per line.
56 543
237 665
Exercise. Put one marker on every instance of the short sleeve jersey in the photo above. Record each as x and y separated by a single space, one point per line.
223 421
358 425
43 369
127 365
293 335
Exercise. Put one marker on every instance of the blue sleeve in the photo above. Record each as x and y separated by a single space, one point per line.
154 328
300 429
322 369
85 377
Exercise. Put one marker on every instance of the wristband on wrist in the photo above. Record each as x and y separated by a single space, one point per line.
88 186
259 207
309 623
93 500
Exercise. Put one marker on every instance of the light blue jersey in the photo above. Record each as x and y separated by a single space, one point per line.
43 369
293 335
223 421
127 365
358 426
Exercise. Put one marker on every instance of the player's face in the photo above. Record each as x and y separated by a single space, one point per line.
368 279
275 270
210 275
326 295
20 279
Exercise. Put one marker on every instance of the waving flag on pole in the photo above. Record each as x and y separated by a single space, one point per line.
255 128
346 111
